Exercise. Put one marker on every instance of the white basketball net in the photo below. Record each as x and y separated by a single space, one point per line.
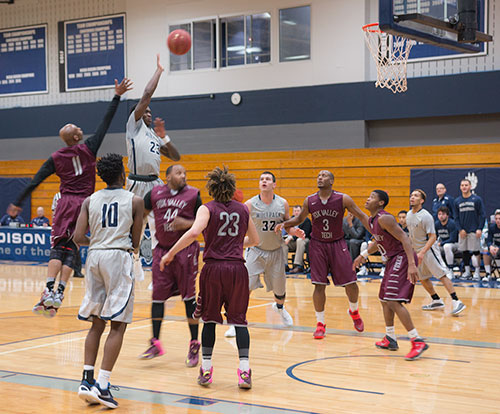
391 56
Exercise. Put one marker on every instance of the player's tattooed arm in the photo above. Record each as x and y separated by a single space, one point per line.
82 224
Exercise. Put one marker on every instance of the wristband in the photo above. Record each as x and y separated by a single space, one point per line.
364 253
166 140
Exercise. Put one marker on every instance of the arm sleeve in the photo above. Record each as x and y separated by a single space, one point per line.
481 213
94 142
47 169
198 203
148 205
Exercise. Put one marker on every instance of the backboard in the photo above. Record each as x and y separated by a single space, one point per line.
440 23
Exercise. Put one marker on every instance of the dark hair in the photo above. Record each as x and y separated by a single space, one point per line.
382 196
297 206
110 167
402 211
422 193
465 179
221 184
271 174
444 209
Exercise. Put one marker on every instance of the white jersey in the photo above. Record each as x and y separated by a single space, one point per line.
110 219
143 148
266 217
420 224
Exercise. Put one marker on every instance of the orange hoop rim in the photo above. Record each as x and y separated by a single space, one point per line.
370 28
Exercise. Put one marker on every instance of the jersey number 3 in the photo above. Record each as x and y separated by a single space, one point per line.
230 224
110 215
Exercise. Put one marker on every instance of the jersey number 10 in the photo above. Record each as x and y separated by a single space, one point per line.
110 215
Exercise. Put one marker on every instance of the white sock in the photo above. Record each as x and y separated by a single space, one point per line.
487 268
320 317
390 331
353 306
206 364
88 367
103 379
244 365
467 269
413 333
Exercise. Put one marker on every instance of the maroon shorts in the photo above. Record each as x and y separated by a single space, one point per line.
223 283
395 284
179 277
65 216
333 258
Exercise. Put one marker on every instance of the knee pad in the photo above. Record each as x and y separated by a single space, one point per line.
190 305
280 297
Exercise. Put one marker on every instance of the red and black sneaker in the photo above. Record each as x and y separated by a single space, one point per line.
320 331
387 343
358 322
418 346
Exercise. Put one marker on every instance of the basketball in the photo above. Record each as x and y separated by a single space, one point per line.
179 42
238 195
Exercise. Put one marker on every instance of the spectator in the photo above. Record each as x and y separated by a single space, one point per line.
354 233
40 220
447 233
8 218
363 270
297 245
443 199
493 245
470 221
402 220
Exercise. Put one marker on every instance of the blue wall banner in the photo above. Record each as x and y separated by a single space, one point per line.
23 57
484 184
94 52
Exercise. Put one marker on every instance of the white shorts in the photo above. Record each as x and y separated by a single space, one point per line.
432 265
109 286
469 243
270 262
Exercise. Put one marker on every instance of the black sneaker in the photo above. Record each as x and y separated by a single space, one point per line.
104 397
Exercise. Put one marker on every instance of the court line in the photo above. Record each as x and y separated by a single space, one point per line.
152 396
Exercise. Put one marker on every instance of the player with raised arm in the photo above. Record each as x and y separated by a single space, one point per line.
400 276
114 217
328 251
224 277
75 166
174 206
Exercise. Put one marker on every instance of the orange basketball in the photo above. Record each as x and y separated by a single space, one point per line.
238 195
179 42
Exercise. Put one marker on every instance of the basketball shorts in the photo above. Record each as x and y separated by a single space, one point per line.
177 278
223 284
432 265
272 264
109 286
469 243
331 258
395 285
66 252
65 216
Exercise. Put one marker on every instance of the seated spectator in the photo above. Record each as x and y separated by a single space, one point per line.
441 200
402 220
447 233
493 245
299 246
354 234
363 270
40 220
7 219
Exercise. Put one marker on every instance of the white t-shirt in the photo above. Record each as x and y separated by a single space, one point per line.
420 224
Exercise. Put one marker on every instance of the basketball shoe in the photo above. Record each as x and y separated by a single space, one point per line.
193 354
103 397
387 343
205 377
458 307
85 392
358 322
435 304
245 379
57 299
286 319
418 346
46 301
154 350
320 331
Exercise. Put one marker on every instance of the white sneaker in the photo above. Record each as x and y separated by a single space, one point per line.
458 307
477 275
435 304
363 271
285 316
231 332
466 275
486 278
382 271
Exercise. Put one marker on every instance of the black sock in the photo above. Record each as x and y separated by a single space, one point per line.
454 296
50 285
60 288
435 296
193 328
88 375
279 305
242 341
207 340
157 312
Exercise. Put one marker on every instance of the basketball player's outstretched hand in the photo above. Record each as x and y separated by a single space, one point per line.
298 233
160 127
165 260
412 273
124 86
358 261
158 64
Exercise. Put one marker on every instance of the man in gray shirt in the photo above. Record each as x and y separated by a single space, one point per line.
354 234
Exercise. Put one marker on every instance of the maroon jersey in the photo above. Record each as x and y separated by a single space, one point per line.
168 205
75 166
326 217
225 232
387 243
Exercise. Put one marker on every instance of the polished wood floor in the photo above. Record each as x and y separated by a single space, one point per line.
41 359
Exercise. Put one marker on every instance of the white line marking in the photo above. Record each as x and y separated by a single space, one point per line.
259 306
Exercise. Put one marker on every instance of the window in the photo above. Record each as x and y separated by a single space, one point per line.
204 44
295 33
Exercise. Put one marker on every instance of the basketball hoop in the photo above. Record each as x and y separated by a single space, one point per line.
391 56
